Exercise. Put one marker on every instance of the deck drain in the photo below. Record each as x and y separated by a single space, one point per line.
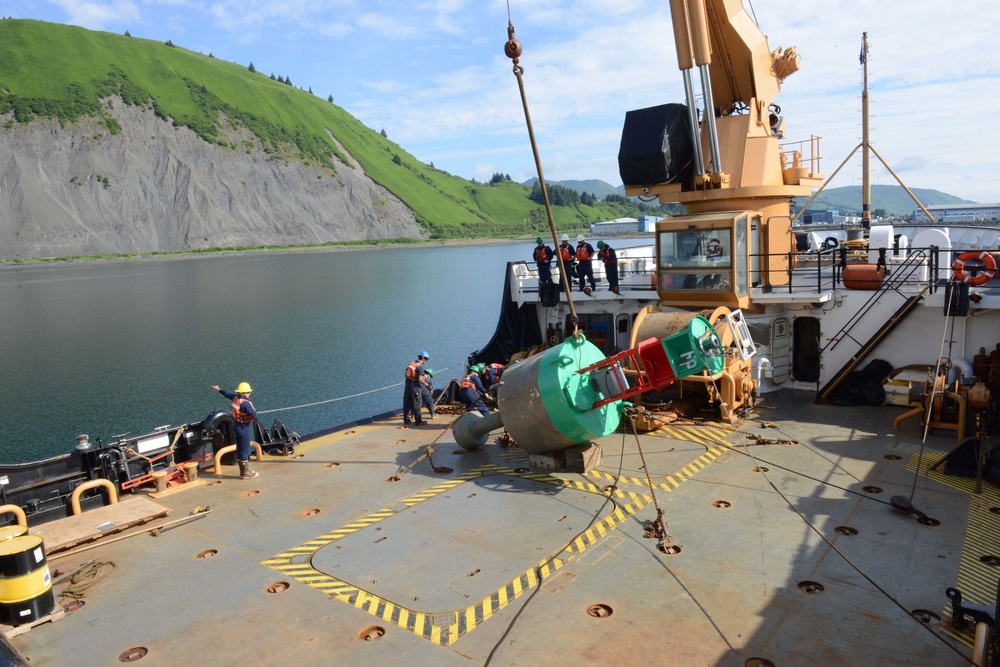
928 521
721 504
312 511
607 489
215 483
671 550
279 587
846 530
893 457
133 654
332 465
522 470
872 489
758 662
207 553
70 605
251 494
992 561
372 634
759 469
399 442
599 610
811 587
926 617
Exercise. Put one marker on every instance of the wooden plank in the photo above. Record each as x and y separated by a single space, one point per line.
92 525
15 630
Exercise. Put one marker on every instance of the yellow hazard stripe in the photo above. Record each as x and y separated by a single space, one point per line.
445 628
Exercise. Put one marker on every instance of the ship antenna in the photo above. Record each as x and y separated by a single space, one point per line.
513 50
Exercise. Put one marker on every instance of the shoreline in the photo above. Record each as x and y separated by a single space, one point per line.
200 254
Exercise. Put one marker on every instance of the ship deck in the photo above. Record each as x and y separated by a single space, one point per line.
788 553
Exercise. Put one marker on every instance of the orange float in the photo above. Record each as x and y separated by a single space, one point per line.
981 276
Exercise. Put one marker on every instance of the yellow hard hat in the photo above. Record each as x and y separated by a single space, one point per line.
244 388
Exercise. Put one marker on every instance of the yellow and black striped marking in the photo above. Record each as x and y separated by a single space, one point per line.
977 580
445 628
711 437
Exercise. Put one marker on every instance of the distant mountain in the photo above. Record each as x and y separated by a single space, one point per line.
846 200
596 187
892 198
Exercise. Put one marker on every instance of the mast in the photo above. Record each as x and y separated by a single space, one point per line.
866 186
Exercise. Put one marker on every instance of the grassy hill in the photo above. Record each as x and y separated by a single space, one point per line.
66 73
892 198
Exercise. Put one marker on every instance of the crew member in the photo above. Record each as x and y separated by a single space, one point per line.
471 391
568 254
411 390
543 257
607 255
585 267
492 375
244 415
427 391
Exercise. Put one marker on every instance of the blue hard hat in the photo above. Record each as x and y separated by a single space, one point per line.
423 353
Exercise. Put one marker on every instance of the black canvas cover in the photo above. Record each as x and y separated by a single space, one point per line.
657 147
864 387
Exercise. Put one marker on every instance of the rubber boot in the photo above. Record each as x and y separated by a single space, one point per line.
245 472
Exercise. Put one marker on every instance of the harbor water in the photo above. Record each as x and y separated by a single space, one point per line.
106 348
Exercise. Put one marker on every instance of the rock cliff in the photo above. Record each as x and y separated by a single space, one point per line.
82 190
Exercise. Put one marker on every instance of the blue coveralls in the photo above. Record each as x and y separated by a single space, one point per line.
427 399
607 255
244 432
472 397
584 267
412 398
543 257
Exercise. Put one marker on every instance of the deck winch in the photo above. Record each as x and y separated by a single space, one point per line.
572 394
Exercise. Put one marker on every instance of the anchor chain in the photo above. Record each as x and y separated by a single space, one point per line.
657 528
428 450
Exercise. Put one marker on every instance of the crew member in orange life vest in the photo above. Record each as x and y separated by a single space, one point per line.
568 257
244 415
607 255
471 391
492 375
543 256
585 268
412 396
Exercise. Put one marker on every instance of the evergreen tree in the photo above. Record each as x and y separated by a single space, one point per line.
127 33
383 133
170 44
396 159
330 99
252 68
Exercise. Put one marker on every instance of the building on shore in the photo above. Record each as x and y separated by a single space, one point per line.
644 224
959 213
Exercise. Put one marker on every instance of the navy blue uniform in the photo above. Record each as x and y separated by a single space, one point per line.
543 258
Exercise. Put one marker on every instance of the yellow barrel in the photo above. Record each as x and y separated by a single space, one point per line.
12 531
25 582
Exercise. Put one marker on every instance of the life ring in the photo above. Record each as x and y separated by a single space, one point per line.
714 248
982 276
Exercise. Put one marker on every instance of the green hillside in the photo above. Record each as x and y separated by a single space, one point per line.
64 73
890 198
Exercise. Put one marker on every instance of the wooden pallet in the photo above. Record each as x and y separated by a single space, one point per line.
63 534
14 630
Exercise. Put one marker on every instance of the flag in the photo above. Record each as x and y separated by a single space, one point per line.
861 57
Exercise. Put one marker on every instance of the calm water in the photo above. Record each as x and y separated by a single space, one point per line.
109 348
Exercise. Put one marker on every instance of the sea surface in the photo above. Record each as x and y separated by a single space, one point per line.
106 348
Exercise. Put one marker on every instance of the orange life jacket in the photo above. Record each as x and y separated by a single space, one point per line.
467 382
543 254
567 252
413 370
240 416
582 253
605 255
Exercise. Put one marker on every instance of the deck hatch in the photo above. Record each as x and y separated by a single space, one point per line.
491 592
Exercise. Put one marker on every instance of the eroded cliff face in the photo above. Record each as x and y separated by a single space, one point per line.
80 190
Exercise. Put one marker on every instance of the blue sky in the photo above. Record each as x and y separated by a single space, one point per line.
432 74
